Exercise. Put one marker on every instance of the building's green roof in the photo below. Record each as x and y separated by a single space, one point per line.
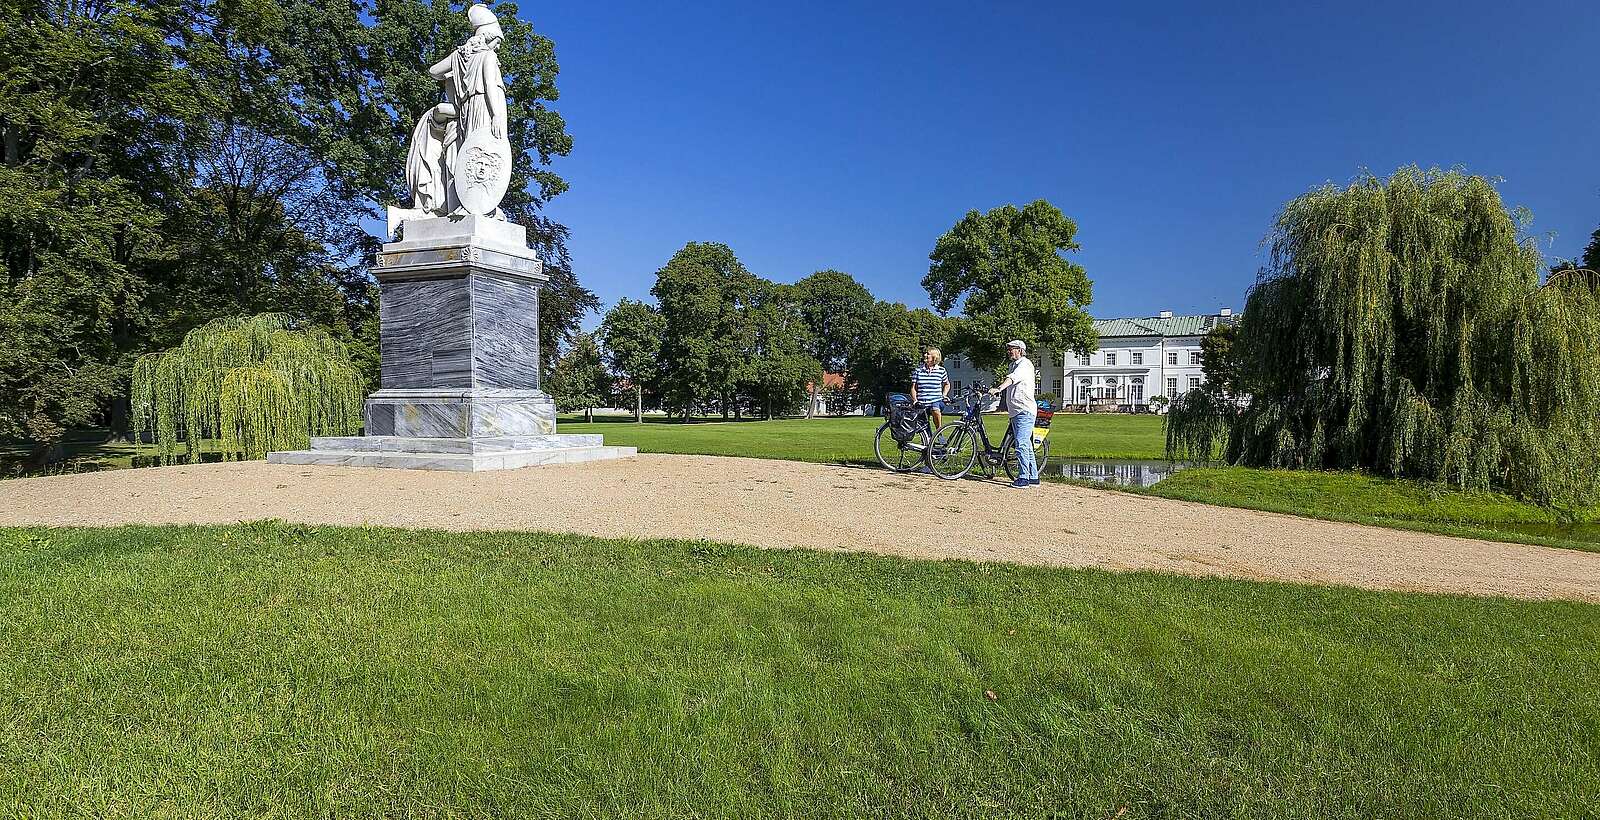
1157 326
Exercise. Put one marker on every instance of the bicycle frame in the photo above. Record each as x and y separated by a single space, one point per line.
988 455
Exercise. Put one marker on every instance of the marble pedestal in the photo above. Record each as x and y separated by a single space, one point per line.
459 338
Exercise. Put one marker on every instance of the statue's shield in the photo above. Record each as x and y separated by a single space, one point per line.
482 172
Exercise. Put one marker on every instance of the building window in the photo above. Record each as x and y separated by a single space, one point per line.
1055 387
1172 387
955 386
1194 357
1136 389
1172 358
1138 357
1084 360
1111 358
1194 382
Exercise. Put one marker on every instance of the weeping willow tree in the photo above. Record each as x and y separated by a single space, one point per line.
247 386
1199 424
1401 328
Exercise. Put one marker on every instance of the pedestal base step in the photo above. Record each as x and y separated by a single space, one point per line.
459 454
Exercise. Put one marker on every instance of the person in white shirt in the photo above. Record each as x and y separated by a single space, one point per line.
1017 390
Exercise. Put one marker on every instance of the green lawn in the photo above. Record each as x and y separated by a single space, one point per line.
849 440
1382 502
272 670
83 450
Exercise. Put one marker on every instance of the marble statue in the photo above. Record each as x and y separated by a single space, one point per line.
459 162
458 324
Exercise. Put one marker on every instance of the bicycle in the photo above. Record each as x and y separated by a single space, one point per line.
911 453
965 446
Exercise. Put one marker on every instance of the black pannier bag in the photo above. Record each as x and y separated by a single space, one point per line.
904 420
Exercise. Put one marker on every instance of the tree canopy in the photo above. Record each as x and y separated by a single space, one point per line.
884 357
779 363
1401 328
704 294
580 380
836 309
252 385
1005 270
631 335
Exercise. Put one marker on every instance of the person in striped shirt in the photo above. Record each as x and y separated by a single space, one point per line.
930 385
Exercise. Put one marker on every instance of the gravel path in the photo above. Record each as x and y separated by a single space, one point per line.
789 504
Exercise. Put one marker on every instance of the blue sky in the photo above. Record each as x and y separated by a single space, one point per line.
851 135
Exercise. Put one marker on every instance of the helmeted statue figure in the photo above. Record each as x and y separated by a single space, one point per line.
460 158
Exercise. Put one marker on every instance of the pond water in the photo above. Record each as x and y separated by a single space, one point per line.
1121 473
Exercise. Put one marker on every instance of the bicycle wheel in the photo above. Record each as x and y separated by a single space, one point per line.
1008 454
901 458
955 451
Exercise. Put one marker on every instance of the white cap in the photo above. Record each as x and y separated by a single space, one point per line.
1017 343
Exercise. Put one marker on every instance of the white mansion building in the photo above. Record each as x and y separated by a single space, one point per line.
1138 359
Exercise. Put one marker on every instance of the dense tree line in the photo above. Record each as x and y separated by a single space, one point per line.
721 340
168 162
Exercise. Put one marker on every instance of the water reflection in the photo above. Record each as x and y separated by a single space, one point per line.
1121 473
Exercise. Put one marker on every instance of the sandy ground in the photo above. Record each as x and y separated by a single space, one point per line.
789 504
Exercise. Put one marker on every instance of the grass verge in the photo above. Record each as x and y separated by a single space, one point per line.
1363 499
849 440
288 671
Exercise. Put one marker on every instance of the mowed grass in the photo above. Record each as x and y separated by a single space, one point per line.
271 670
848 440
1363 499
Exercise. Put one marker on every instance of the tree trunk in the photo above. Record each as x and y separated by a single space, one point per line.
588 415
638 404
13 140
811 408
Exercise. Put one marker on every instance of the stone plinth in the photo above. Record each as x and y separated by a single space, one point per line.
432 413
460 454
459 339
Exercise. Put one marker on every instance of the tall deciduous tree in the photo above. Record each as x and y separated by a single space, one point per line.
1220 362
779 363
703 293
579 380
91 101
838 312
1005 270
1591 254
1401 328
884 358
630 337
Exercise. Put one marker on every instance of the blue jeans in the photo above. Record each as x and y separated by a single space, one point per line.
1022 431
